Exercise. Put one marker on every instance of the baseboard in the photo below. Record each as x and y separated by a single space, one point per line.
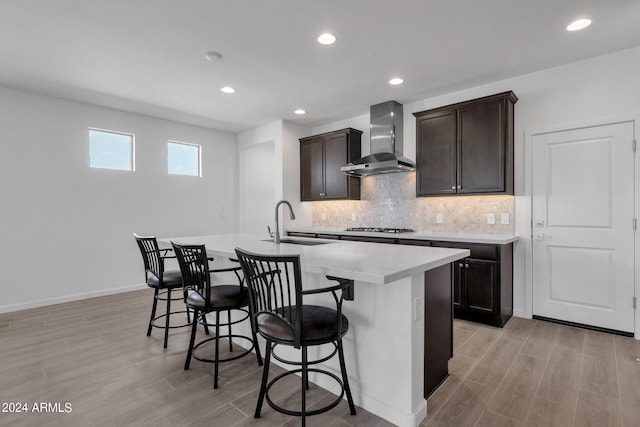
521 313
70 298
584 326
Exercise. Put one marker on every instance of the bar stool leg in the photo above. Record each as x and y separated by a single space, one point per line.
204 323
194 327
345 380
229 321
153 311
305 385
166 322
265 375
255 342
215 363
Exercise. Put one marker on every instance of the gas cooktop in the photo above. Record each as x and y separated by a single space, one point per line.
380 230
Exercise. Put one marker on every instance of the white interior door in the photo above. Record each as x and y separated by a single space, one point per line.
256 188
583 226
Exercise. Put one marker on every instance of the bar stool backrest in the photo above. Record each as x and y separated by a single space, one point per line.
151 256
194 267
275 288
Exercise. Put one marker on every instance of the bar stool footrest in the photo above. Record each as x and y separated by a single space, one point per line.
163 326
228 359
310 412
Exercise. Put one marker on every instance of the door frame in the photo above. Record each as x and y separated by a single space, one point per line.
526 237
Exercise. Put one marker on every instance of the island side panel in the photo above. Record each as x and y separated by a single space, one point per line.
383 348
438 326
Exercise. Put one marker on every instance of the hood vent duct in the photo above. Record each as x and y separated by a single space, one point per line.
386 142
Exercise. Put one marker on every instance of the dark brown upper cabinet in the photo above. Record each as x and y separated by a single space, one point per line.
466 148
321 157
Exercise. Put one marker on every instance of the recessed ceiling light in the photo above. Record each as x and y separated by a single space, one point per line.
396 81
579 24
327 38
227 89
213 56
300 111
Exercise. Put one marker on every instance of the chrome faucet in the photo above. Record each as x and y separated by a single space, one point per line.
276 237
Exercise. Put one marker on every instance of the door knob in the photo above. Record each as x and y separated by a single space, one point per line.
540 236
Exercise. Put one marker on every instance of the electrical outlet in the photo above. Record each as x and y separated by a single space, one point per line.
491 218
504 218
324 216
439 218
353 217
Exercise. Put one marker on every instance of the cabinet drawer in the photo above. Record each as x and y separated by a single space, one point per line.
488 252
369 239
328 236
478 251
412 242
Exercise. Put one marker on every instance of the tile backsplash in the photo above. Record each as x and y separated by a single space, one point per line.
390 201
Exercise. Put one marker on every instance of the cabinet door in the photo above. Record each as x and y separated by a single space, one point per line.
436 154
481 147
335 156
480 285
311 169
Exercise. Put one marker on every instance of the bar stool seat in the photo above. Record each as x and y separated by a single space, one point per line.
222 297
319 325
170 279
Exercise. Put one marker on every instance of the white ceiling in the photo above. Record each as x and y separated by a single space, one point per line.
148 56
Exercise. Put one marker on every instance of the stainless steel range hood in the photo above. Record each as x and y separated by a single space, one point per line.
386 144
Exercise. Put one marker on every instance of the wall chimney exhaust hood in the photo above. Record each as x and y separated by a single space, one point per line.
386 144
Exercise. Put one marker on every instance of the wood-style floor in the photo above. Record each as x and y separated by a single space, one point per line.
94 355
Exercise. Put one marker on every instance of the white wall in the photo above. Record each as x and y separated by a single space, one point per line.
66 228
586 92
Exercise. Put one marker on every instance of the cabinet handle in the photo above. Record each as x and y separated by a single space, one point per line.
466 266
459 187
460 265
321 194
453 187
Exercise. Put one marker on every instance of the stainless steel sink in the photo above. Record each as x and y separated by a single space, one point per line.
300 242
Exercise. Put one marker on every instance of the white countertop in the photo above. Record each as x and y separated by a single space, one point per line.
369 262
499 239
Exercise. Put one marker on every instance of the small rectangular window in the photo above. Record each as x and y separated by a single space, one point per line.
111 150
183 158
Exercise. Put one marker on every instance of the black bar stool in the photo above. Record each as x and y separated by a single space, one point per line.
203 297
275 285
162 281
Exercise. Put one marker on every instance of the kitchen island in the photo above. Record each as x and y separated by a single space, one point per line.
400 335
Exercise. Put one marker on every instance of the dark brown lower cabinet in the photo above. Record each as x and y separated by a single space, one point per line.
483 283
